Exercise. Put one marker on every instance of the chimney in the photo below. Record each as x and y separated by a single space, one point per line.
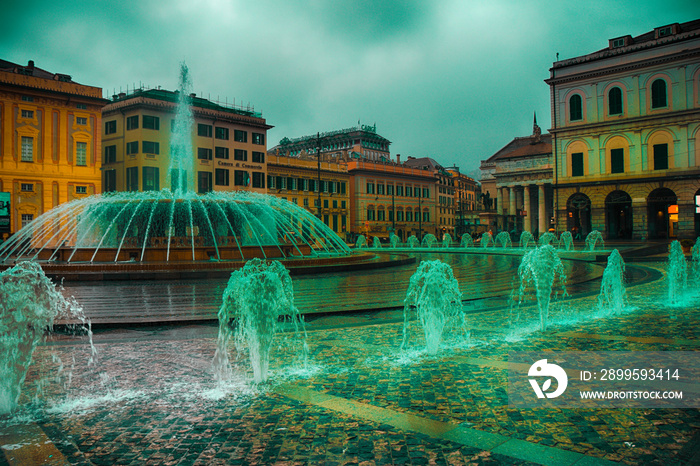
31 64
398 159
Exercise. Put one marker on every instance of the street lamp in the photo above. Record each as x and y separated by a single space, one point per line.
318 157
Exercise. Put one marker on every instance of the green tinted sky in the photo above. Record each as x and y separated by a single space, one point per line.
454 80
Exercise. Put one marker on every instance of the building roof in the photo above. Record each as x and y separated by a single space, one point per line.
426 163
528 146
680 32
31 70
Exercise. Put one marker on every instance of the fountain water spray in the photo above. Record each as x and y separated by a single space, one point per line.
257 299
594 240
467 241
676 273
361 242
526 239
393 240
566 241
612 289
503 239
486 239
542 272
434 293
446 240
29 306
695 262
547 238
429 241
413 241
376 242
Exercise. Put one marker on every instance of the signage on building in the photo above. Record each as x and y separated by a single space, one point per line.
5 212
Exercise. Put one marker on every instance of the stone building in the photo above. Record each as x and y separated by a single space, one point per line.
49 142
444 194
467 204
626 129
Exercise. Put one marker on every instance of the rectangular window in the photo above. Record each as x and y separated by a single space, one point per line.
660 156
27 98
390 189
221 152
27 187
241 178
203 153
324 186
27 114
577 164
343 204
132 148
409 191
258 138
204 182
270 182
281 182
81 106
81 121
370 188
426 216
370 214
617 160
381 215
399 190
240 136
27 149
335 204
110 181
258 157
27 219
426 193
240 154
204 130
313 185
150 147
81 153
342 187
151 122
325 203
305 184
380 188
132 179
110 127
291 183
221 133
151 179
222 177
258 180
409 216
306 202
132 122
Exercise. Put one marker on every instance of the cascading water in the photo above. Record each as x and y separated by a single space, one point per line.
361 242
446 240
394 240
434 293
503 239
429 241
486 239
547 238
676 273
29 306
566 241
467 241
611 299
413 241
376 242
258 298
594 240
695 262
526 239
542 273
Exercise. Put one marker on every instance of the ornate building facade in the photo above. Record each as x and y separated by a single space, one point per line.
626 136
229 144
467 204
49 142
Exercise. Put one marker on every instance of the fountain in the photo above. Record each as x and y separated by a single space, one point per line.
29 306
542 272
429 241
376 242
434 293
446 240
173 225
566 241
361 242
258 298
612 289
486 239
413 242
394 240
547 238
503 239
594 239
676 273
526 239
695 261
467 241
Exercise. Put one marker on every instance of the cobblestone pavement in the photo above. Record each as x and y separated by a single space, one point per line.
151 398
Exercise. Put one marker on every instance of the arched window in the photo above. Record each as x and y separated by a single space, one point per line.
575 108
658 94
615 101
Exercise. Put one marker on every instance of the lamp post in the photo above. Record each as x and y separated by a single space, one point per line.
318 185
420 218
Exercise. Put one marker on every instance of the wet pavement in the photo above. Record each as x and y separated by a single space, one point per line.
152 399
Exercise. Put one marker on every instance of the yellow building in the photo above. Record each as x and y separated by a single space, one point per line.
49 142
444 194
228 144
467 202
296 179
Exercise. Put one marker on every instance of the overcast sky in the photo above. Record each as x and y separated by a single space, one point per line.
455 80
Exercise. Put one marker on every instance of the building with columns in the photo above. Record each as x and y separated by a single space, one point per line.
49 142
517 185
626 136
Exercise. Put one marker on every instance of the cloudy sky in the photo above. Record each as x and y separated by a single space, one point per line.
454 80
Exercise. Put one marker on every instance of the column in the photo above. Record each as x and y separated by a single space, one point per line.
542 216
527 225
511 209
